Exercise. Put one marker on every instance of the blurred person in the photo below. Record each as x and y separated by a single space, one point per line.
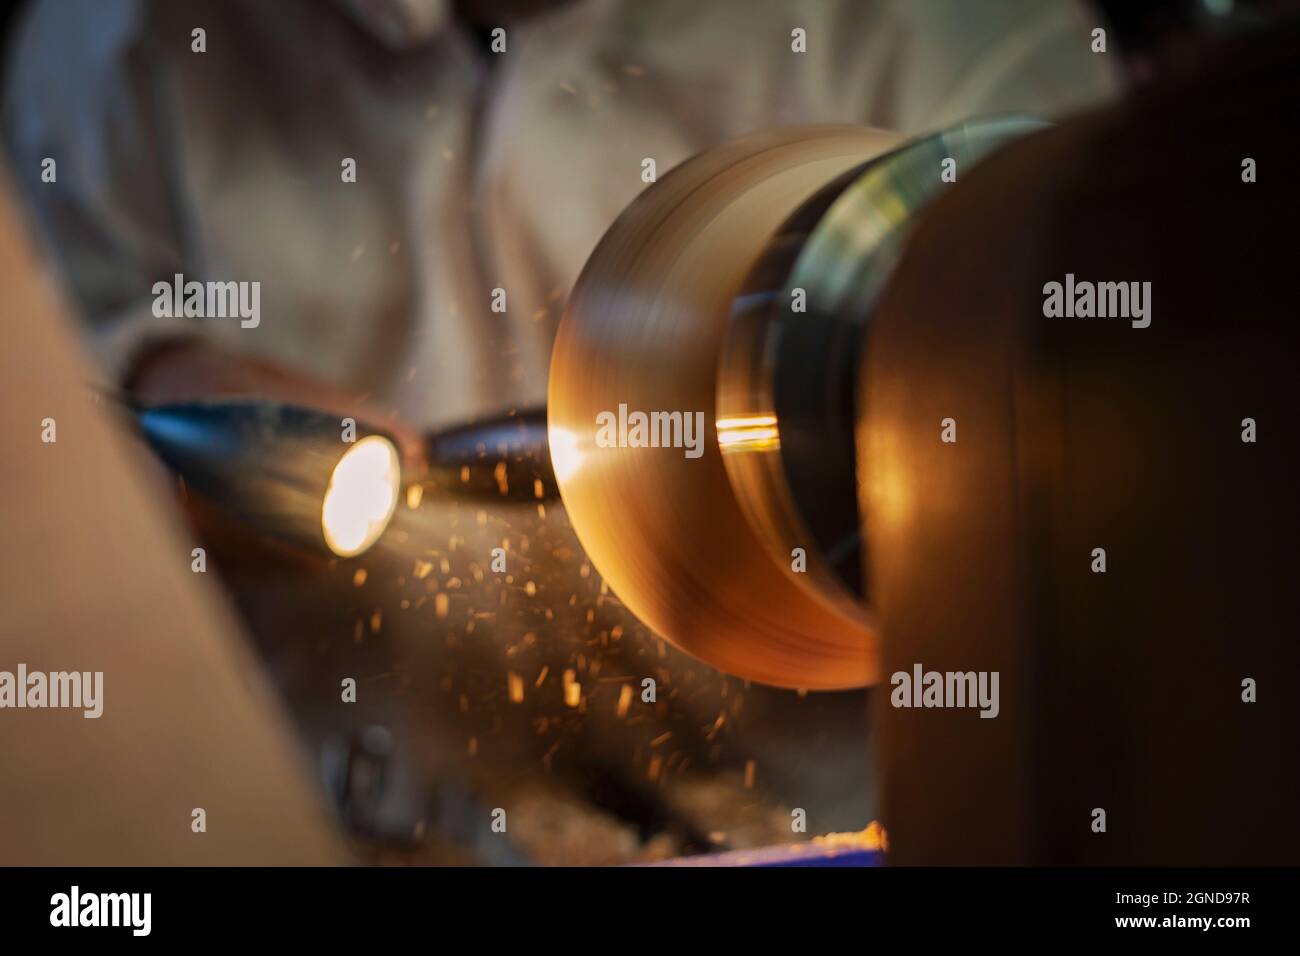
475 170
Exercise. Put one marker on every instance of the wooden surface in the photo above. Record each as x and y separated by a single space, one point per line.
96 576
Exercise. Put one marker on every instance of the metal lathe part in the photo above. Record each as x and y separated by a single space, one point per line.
790 359
266 463
645 328
740 287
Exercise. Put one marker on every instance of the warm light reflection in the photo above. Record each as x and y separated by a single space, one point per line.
566 456
889 489
361 496
748 433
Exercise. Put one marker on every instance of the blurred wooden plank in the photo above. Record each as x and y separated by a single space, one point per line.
95 576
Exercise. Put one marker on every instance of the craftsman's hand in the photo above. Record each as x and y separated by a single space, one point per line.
187 371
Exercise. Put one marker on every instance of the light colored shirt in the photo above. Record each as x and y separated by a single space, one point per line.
475 170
